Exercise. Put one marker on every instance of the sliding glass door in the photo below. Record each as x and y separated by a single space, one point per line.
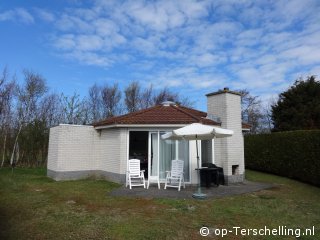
153 154
162 152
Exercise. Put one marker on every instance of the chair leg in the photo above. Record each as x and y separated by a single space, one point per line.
179 184
143 181
130 184
158 184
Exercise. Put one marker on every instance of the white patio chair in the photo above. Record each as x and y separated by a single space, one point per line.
135 177
175 176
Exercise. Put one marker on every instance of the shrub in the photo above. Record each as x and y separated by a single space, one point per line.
294 154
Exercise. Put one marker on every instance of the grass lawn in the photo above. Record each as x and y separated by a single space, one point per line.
33 206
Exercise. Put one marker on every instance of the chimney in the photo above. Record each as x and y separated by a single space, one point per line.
229 152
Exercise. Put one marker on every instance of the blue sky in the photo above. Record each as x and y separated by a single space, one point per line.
192 47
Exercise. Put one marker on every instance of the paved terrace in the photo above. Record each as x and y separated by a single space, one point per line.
186 193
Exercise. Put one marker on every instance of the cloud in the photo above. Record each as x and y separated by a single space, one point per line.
89 58
258 45
89 42
18 15
65 42
45 15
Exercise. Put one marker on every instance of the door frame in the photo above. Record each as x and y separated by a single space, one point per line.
158 131
149 151
158 142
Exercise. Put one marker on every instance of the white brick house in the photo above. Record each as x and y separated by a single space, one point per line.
77 151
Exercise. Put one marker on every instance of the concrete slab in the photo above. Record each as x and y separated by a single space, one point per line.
213 192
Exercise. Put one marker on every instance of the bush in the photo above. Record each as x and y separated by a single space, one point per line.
294 154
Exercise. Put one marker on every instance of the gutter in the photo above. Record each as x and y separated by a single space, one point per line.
140 126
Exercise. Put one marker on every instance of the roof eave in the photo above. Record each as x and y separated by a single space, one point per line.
140 125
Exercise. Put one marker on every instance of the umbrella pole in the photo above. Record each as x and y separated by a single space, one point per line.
199 194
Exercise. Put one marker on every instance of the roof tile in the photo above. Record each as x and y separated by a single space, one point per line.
172 114
160 114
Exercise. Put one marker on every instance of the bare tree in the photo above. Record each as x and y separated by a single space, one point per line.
30 94
165 95
111 97
185 101
251 110
95 103
50 110
266 122
146 100
73 109
133 97
6 97
28 98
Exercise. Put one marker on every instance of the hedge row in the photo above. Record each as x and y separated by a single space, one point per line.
293 154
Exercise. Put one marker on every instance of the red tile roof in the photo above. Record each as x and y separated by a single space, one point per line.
160 114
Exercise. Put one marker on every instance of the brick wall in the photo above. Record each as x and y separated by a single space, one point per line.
71 148
111 150
80 151
228 151
53 148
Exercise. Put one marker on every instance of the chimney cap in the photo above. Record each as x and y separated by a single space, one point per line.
225 90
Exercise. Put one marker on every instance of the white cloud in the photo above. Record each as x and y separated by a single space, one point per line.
314 71
259 45
24 15
303 54
18 14
65 42
45 15
89 58
7 15
74 24
89 42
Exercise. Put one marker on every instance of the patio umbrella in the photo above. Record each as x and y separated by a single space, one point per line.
198 131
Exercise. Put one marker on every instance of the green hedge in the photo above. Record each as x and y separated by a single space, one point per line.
293 154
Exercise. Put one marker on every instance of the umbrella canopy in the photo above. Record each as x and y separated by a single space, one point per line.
198 131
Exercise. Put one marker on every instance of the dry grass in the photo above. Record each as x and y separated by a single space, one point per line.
35 207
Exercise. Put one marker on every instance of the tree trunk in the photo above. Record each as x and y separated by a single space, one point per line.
4 148
15 145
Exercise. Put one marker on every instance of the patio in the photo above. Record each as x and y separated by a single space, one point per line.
213 192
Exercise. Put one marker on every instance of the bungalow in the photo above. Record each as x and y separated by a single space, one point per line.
77 151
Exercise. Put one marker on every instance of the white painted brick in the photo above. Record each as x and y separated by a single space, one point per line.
110 150
71 148
228 151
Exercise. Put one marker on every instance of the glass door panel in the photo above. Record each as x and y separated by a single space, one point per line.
167 154
162 152
183 154
154 154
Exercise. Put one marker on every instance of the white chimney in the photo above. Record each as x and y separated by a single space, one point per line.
229 152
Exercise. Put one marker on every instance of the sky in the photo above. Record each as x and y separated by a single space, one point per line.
191 47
